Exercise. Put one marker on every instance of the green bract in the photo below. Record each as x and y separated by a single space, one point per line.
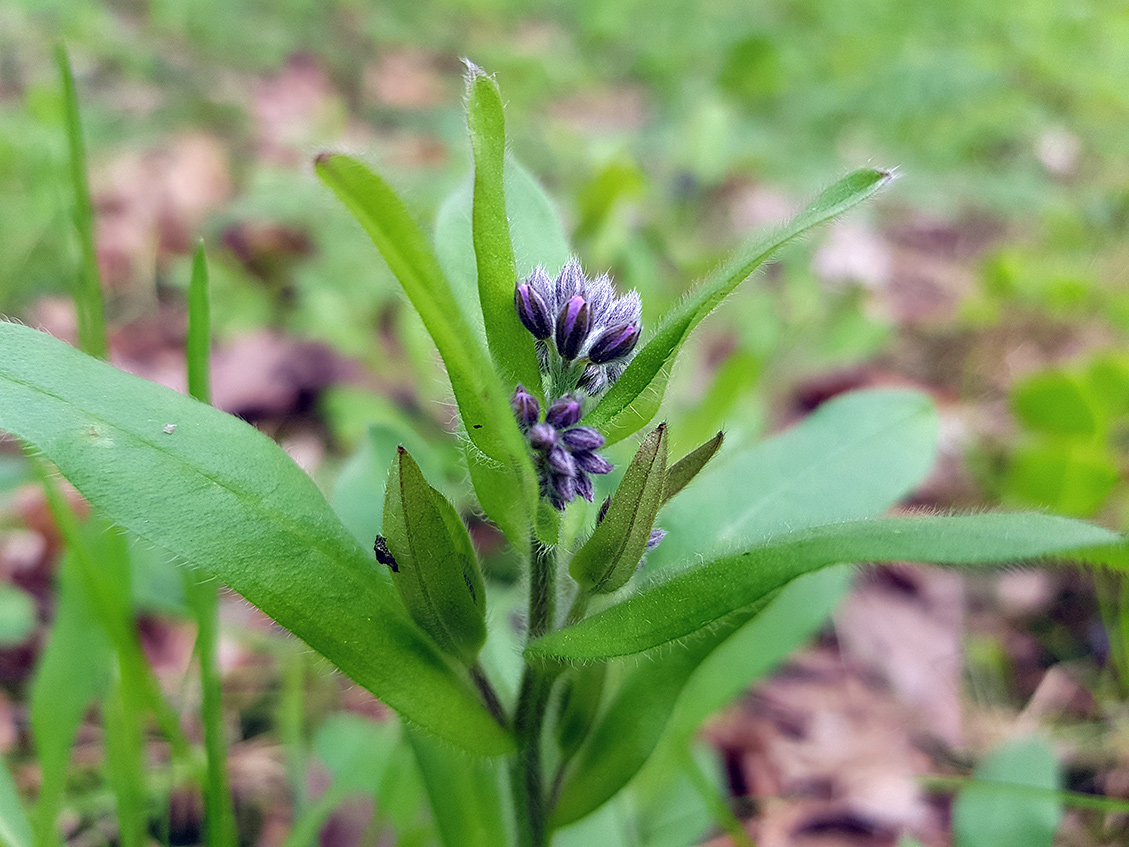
434 566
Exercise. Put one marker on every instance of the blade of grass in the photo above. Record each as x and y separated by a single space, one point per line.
203 592
123 716
72 673
103 574
88 290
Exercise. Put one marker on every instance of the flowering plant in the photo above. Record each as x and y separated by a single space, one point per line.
561 370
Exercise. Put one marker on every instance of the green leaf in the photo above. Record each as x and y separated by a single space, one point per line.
700 597
989 815
72 673
580 697
611 556
465 794
689 466
851 458
269 533
499 464
1069 478
435 568
635 398
511 345
535 231
15 831
1055 403
820 471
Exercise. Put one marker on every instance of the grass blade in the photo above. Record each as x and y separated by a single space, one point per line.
203 592
88 290
635 398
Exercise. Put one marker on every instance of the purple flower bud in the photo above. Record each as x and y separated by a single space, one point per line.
614 343
573 323
600 294
592 462
542 436
564 412
657 535
539 281
563 490
533 311
584 486
525 406
569 282
582 438
561 461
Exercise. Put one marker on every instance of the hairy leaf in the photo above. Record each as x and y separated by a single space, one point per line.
634 399
511 345
611 556
226 498
700 597
434 567
683 471
499 464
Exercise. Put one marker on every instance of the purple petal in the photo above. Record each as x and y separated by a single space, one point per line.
657 535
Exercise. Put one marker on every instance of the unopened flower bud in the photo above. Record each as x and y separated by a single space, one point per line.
655 538
573 323
525 406
562 461
584 486
614 343
582 438
592 462
542 436
563 413
533 311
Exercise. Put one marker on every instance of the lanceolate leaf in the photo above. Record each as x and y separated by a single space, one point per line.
610 557
852 458
502 473
634 399
511 346
689 466
700 597
227 499
435 568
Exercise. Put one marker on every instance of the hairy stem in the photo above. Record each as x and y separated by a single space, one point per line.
489 695
526 772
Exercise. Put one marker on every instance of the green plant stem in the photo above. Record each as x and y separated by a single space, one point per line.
579 607
526 772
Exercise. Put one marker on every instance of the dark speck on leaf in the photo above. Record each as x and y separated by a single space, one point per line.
383 555
478 426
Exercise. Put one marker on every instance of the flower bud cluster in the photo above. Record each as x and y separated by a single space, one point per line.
584 320
565 454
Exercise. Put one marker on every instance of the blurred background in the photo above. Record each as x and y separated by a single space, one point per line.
993 275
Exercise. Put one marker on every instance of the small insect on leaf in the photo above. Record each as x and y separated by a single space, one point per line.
383 555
